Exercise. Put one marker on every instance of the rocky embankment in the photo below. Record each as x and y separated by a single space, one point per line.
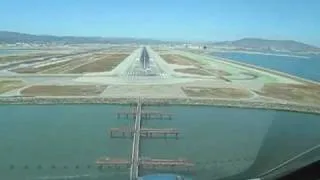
179 101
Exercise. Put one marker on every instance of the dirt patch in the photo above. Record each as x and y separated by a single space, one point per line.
60 90
58 67
199 69
216 92
150 91
178 59
8 85
204 72
253 75
218 72
308 94
195 71
39 69
22 57
248 76
25 70
65 67
196 51
104 63
161 51
122 49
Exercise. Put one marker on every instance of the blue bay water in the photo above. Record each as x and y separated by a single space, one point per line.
221 141
308 68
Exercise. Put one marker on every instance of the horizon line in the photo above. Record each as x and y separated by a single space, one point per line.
161 39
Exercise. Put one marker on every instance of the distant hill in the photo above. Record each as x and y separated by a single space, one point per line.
251 44
269 45
15 37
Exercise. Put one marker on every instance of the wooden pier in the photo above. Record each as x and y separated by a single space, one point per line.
147 163
145 115
134 170
113 162
166 162
144 132
136 132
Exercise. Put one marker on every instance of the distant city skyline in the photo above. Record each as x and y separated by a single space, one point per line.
194 20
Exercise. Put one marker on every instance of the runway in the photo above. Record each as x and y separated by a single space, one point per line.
144 66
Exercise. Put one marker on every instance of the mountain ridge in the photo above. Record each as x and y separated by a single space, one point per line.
255 44
17 37
269 45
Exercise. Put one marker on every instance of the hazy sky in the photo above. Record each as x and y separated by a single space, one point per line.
166 19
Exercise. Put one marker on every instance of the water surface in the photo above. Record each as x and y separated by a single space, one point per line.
223 142
303 67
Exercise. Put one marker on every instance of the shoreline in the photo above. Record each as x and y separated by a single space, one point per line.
291 107
279 73
255 67
262 53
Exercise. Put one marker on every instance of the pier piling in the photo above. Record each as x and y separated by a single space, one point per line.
136 132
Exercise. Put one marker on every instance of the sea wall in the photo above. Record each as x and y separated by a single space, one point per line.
294 107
